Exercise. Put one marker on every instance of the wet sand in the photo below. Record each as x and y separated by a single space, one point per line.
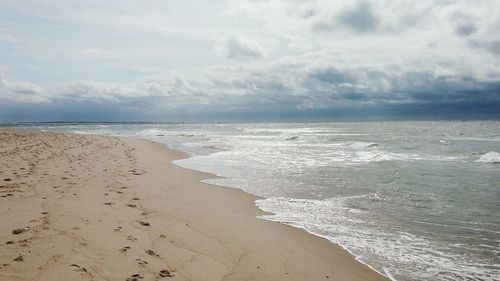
75 207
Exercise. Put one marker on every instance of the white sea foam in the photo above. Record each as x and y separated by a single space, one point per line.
213 144
444 158
153 132
286 130
492 139
82 132
490 157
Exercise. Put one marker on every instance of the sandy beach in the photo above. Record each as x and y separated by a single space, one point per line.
79 207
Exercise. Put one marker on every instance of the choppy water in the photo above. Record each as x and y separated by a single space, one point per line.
414 200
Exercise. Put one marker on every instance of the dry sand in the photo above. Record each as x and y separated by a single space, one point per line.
105 208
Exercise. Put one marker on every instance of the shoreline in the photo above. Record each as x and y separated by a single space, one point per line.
193 230
187 155
257 197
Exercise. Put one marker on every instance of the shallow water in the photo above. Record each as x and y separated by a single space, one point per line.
414 200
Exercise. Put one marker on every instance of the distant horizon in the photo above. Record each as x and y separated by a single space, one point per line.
456 118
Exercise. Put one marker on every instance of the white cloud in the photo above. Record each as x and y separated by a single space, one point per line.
23 92
237 47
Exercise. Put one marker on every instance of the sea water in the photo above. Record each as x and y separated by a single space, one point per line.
413 200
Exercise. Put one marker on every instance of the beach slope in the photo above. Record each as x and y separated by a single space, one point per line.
76 207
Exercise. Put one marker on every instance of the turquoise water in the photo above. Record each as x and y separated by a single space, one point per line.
414 200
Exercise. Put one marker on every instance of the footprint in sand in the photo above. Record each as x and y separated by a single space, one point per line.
141 262
124 249
79 268
165 273
18 231
134 277
152 253
23 243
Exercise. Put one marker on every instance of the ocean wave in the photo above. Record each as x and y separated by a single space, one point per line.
188 135
373 156
367 156
445 158
215 147
472 229
287 130
152 132
495 139
490 157
81 132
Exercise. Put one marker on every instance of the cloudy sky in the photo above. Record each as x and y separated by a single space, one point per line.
243 60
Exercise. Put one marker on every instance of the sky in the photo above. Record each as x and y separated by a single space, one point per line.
244 60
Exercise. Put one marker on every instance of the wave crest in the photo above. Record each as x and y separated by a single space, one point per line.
490 157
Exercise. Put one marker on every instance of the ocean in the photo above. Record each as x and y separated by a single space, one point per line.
413 200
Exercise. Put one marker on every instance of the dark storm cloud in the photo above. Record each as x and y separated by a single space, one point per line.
465 24
280 90
490 46
466 29
354 96
361 18
332 76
